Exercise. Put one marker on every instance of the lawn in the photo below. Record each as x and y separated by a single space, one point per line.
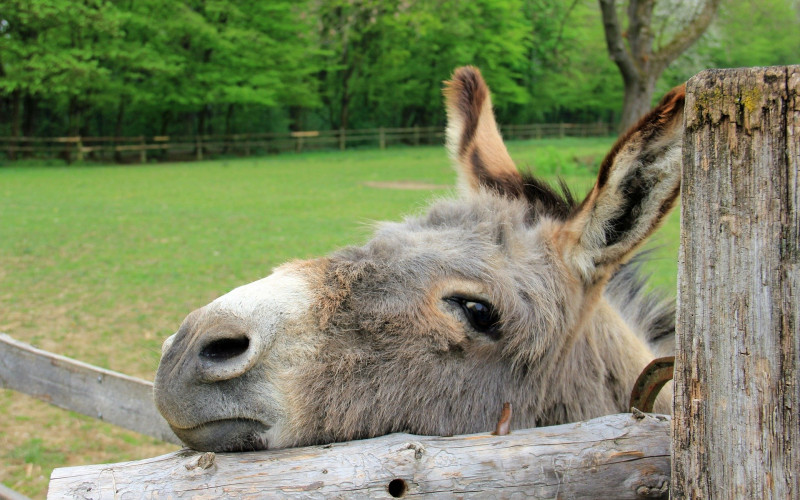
101 263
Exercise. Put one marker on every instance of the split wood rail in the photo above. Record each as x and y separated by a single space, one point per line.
196 147
736 426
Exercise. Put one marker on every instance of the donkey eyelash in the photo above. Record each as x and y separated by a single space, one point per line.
480 314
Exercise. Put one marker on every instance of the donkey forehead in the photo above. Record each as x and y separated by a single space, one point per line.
484 237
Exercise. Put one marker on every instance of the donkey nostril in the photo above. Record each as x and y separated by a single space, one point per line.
224 349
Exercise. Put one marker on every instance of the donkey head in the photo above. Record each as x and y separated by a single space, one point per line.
498 296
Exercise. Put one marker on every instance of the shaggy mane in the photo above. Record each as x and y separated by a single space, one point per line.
546 200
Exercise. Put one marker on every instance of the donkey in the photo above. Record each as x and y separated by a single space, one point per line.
513 292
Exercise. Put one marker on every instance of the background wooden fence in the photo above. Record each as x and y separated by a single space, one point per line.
145 148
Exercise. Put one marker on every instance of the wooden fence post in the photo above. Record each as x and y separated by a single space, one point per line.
143 151
736 431
382 138
12 147
199 147
78 149
342 139
164 139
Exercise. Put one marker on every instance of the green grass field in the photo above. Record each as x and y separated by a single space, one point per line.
101 263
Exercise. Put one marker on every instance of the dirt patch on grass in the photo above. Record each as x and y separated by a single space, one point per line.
409 185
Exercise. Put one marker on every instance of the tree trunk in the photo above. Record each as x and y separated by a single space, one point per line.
229 119
73 117
15 123
639 63
638 100
736 432
201 130
166 118
201 121
344 110
228 128
118 126
30 108
295 118
15 114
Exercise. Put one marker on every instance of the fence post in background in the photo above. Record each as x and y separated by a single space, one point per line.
562 130
230 144
199 147
11 148
143 151
736 431
382 138
78 149
164 147
416 135
342 139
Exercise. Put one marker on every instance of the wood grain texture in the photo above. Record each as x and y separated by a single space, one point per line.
737 393
99 393
617 456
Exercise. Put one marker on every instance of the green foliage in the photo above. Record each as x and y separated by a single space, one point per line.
108 67
745 33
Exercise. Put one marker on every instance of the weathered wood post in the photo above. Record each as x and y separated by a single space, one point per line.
736 431
78 149
199 147
143 150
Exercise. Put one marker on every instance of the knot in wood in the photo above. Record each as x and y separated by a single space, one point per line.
204 461
419 450
654 491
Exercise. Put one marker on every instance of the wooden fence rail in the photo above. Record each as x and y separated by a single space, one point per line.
616 456
144 148
73 385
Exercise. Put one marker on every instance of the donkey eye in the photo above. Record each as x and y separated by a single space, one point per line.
481 316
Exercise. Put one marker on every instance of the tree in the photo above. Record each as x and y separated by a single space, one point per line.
569 76
384 61
651 42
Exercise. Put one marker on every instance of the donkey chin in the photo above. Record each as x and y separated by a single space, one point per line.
233 434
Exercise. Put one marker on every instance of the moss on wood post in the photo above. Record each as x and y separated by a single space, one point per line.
736 430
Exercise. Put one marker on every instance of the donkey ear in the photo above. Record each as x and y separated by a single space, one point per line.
473 140
636 187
